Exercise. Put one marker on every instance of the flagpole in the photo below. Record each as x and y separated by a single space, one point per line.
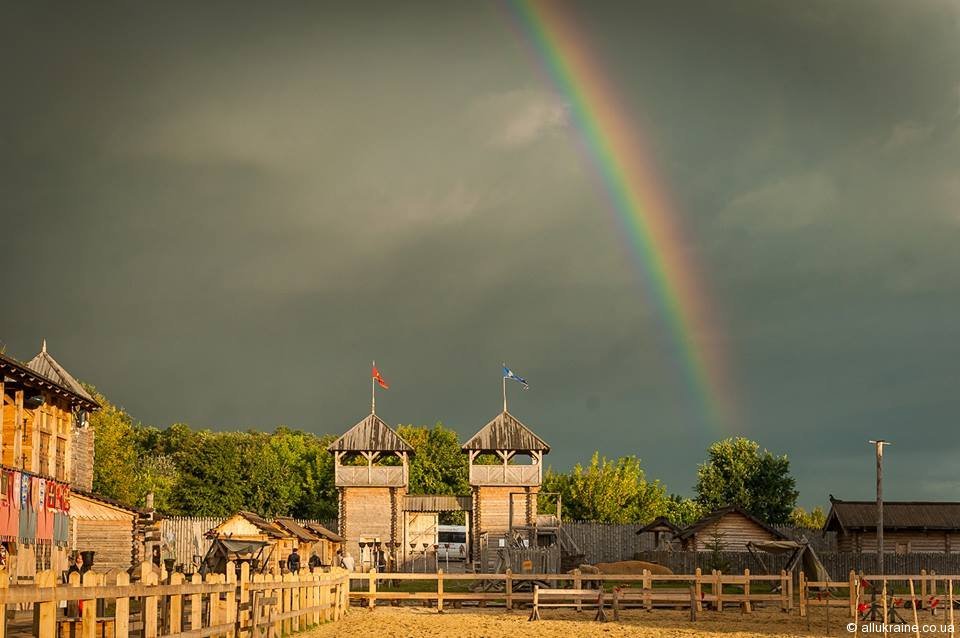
373 389
504 380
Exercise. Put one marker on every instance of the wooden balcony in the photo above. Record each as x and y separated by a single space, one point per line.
370 476
507 475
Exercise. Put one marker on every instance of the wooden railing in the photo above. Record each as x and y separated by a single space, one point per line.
370 475
653 589
157 604
518 475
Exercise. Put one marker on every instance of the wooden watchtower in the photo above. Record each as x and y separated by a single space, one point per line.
504 488
371 494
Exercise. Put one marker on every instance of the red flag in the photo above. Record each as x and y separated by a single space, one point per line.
376 377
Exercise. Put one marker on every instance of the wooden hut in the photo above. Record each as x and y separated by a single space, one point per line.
504 493
104 527
729 527
371 493
908 526
327 545
663 532
247 526
46 448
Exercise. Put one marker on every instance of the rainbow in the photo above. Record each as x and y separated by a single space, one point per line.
616 149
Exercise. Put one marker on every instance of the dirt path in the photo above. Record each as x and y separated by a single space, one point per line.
388 622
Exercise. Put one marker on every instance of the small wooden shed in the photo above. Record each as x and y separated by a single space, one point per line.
247 526
103 526
663 532
731 527
305 538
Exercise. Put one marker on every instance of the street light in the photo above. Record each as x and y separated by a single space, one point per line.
879 443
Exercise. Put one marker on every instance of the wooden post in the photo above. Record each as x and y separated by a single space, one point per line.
372 587
718 589
647 586
45 614
698 587
783 590
852 583
884 606
230 602
175 620
949 600
535 612
509 589
803 594
256 602
244 612
121 625
149 612
196 605
296 603
287 596
856 618
325 613
578 584
913 603
923 586
746 592
88 626
693 603
439 591
213 601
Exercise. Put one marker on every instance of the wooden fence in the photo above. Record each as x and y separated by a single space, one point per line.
512 589
158 604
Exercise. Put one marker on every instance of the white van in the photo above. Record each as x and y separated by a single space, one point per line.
452 542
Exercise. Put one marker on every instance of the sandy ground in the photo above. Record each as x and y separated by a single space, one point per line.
391 622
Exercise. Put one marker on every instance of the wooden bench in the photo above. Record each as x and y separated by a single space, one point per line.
567 598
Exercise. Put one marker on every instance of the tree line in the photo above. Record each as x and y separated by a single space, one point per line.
289 472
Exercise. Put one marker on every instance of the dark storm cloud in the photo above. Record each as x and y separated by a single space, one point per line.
219 216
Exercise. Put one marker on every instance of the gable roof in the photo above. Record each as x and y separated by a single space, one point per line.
659 524
263 525
717 514
45 364
920 515
505 432
370 435
37 373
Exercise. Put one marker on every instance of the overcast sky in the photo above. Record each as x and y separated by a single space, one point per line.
220 215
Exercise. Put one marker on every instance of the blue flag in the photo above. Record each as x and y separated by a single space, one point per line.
508 374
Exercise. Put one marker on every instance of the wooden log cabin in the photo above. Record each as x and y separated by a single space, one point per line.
505 488
908 526
46 447
371 470
327 545
730 527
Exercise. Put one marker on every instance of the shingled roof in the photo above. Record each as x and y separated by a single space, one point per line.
40 376
370 435
506 432
45 364
918 515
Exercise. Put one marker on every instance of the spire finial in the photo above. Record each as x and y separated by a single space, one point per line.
43 346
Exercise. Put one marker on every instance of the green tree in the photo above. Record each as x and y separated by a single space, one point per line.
212 474
115 452
608 491
438 466
738 473
814 519
682 511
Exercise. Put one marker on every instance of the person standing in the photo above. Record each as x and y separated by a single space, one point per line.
293 561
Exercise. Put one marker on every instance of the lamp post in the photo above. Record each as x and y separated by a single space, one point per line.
878 444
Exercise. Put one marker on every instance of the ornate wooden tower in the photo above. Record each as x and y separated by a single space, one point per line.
371 493
503 489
